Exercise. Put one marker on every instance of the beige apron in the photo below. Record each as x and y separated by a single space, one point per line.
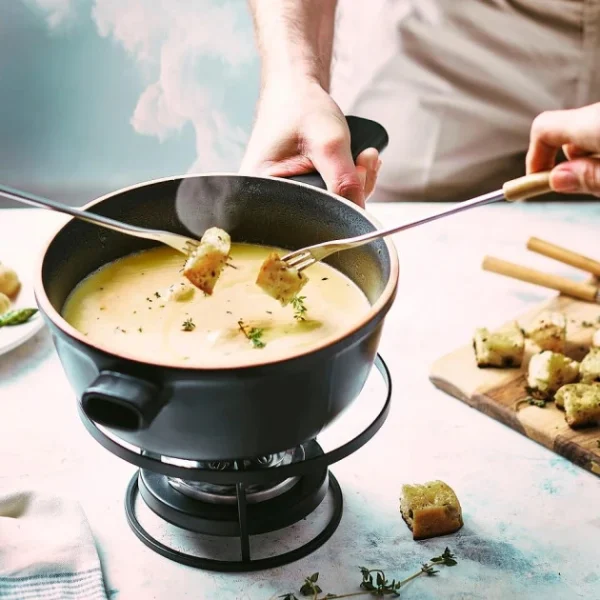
457 84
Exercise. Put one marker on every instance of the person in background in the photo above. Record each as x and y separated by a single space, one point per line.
456 84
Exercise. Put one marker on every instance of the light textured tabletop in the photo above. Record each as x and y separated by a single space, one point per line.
532 519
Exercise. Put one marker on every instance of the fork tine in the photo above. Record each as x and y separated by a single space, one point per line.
191 246
296 258
301 265
292 255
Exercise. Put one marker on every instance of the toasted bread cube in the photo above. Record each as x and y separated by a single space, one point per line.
548 372
280 281
548 331
4 303
499 349
572 388
596 339
589 369
582 406
9 281
205 265
430 509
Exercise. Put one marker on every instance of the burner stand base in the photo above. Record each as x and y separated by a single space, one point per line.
246 563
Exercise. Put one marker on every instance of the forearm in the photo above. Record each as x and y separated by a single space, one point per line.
295 37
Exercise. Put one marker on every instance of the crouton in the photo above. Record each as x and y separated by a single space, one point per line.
548 331
589 369
280 281
205 264
500 349
548 372
582 406
430 510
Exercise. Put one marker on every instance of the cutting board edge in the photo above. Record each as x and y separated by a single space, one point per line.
560 445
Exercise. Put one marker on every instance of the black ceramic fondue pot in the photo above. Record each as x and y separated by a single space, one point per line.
219 413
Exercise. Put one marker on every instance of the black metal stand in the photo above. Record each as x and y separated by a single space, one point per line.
315 481
246 563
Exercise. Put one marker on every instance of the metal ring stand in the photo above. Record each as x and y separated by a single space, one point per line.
240 478
246 563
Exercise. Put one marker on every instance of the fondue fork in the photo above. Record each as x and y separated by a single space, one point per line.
515 190
180 243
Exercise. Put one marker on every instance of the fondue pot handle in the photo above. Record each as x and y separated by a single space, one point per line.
121 401
364 134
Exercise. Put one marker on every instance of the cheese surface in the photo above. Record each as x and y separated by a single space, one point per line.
133 306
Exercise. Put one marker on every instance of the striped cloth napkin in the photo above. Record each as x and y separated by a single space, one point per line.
47 551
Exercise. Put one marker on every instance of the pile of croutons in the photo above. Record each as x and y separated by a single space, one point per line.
573 385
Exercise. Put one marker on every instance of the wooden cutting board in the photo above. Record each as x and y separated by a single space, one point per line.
495 392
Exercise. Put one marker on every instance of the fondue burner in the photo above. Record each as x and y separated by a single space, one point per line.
227 494
211 504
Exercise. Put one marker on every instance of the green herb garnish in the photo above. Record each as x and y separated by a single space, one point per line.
299 308
374 581
536 402
587 324
17 317
157 294
539 402
188 325
253 334
310 586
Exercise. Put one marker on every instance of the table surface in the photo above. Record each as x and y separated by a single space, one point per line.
531 518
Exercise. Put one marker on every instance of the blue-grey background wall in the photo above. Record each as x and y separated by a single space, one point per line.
99 94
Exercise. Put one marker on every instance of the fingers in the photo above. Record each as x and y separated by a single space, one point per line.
579 176
333 160
369 161
577 128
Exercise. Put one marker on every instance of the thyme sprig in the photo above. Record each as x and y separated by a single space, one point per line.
188 325
374 581
299 307
253 334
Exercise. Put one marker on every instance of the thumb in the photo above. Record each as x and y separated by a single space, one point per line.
580 176
333 161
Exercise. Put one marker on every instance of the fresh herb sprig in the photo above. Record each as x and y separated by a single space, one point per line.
253 334
540 402
188 325
17 316
299 307
374 581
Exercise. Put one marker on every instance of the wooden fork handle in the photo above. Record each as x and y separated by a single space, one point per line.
563 255
527 187
583 291
530 186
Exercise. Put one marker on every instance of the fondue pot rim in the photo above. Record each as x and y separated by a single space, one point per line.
375 309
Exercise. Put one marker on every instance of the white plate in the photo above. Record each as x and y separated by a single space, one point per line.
12 337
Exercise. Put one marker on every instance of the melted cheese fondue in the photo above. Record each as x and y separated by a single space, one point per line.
142 306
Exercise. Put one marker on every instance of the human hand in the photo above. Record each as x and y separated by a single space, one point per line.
299 129
577 132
